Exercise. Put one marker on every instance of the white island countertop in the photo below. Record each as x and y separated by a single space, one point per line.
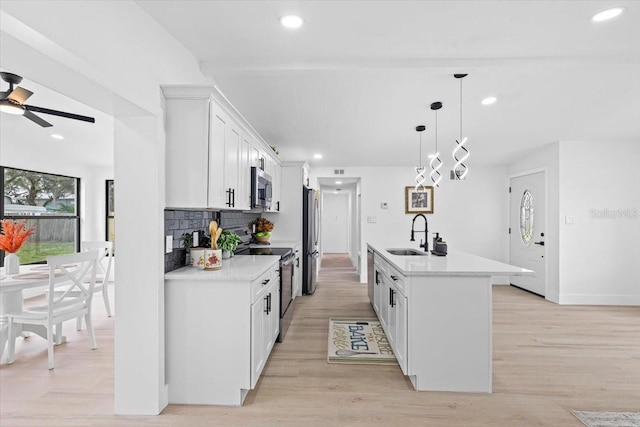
239 267
455 263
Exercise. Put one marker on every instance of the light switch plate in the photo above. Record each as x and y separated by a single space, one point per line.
168 246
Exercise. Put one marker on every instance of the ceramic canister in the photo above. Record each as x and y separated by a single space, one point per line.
212 259
197 258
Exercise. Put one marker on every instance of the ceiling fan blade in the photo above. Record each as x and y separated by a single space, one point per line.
29 115
19 95
59 113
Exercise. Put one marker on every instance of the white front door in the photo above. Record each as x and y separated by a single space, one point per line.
527 234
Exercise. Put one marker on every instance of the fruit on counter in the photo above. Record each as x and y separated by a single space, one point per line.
261 225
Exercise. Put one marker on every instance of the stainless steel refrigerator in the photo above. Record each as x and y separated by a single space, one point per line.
310 237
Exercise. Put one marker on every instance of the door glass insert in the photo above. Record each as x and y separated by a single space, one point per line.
526 217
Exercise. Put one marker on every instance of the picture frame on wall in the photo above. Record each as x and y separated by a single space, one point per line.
420 201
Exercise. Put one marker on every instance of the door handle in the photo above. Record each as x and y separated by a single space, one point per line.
541 243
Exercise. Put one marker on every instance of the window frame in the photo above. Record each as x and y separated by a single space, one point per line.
77 217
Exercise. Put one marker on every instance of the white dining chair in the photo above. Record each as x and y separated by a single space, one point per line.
70 271
105 251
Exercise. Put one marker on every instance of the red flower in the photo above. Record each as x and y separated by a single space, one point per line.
13 235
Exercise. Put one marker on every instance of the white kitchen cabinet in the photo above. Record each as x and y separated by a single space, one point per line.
220 328
392 307
264 325
209 151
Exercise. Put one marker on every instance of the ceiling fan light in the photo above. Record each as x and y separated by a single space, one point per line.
605 15
9 107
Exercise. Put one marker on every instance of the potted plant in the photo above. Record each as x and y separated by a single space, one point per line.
261 229
228 242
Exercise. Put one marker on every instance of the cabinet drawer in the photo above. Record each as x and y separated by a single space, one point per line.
260 285
396 278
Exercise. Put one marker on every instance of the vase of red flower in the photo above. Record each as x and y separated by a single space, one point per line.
12 237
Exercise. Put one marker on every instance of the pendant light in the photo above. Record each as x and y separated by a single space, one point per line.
420 170
435 162
460 152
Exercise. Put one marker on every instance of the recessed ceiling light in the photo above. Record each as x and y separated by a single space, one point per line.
605 15
317 156
338 182
56 136
291 21
489 100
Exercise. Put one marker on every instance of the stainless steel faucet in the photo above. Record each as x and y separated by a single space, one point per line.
424 245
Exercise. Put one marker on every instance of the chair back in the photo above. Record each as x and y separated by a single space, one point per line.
105 256
77 272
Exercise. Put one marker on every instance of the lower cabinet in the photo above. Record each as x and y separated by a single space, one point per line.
264 328
390 304
218 335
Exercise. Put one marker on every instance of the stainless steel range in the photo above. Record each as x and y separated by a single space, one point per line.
287 258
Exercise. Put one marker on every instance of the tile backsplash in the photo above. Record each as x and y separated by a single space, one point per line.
178 222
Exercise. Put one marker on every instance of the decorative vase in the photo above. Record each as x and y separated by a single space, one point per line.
212 259
11 264
197 258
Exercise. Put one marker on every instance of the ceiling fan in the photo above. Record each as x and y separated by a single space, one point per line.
12 102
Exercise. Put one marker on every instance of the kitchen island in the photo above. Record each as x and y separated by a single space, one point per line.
436 312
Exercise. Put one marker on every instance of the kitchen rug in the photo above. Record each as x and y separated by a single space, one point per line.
358 341
608 419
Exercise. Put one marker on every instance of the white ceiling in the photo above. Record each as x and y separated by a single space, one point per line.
357 78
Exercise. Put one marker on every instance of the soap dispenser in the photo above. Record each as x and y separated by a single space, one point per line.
435 240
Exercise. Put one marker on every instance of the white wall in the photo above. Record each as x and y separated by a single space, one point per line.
114 57
336 222
470 215
599 252
594 260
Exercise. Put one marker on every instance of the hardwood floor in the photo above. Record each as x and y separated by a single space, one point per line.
548 360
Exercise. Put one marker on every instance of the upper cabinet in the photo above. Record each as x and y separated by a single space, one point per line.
209 152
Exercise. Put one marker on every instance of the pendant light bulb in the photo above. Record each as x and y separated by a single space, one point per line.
420 170
460 152
435 162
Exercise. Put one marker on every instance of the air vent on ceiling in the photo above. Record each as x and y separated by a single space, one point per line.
338 171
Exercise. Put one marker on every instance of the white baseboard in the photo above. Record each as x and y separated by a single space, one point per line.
584 299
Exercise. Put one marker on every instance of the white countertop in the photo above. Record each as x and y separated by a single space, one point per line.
456 263
237 268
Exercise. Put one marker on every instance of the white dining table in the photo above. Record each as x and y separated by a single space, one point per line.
11 299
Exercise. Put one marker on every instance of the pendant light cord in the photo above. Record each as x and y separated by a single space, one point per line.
436 131
420 158
460 109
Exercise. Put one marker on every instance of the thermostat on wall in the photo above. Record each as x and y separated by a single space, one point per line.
384 205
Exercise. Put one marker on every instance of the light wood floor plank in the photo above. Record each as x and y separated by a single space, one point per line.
548 360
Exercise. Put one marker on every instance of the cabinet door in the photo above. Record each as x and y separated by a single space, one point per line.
243 198
392 297
258 337
277 186
377 290
274 315
400 348
187 163
232 144
384 302
218 136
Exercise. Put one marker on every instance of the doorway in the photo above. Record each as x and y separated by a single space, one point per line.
527 226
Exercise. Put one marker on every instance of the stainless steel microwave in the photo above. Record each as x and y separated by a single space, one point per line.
260 189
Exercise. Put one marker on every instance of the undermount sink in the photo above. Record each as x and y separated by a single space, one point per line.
406 252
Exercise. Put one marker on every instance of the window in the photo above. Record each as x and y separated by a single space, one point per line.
111 214
47 201
526 218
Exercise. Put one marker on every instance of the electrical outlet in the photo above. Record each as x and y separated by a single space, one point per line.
372 219
168 245
569 220
196 239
